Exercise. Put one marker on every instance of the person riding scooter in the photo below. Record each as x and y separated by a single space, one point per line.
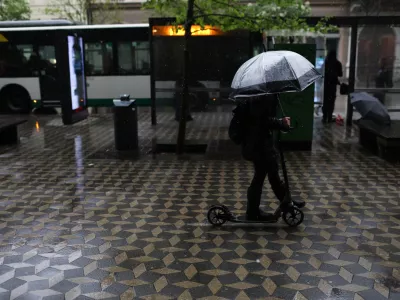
258 147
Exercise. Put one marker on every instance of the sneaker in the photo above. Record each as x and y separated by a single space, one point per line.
263 216
300 203
260 216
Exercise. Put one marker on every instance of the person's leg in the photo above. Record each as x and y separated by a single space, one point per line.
254 192
277 185
331 106
329 95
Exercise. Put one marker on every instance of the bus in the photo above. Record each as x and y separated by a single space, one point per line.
117 61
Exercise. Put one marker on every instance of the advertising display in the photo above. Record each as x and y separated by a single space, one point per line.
74 105
76 72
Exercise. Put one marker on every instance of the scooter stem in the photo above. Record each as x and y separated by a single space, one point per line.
283 162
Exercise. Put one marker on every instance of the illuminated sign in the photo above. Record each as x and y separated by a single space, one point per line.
196 30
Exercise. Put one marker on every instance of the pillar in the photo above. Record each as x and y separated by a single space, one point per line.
319 85
396 66
343 53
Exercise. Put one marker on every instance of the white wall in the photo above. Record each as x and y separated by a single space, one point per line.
128 15
38 10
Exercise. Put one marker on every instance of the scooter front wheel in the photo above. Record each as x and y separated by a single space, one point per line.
293 217
217 215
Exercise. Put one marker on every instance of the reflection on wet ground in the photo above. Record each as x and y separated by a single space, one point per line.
76 222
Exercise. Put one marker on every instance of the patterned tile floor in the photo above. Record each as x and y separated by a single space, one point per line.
78 224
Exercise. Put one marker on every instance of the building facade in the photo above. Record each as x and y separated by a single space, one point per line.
131 11
38 8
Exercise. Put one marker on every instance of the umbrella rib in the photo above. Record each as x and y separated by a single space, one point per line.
290 67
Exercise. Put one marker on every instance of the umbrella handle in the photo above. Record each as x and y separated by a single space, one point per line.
284 115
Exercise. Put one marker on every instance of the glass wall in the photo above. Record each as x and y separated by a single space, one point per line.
378 63
214 61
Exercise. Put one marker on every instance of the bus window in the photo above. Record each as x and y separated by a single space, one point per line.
13 60
48 62
26 51
48 53
142 51
99 58
134 58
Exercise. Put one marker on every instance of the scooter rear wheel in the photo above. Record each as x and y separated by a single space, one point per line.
215 214
294 217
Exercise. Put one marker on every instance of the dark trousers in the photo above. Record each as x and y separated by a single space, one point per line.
267 166
329 103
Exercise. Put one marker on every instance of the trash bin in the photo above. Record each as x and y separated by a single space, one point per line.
299 106
125 124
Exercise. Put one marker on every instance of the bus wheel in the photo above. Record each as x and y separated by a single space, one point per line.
15 99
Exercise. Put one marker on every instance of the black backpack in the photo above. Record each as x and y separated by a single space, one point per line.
238 125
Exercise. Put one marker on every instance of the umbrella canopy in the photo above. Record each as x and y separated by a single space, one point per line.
273 72
370 107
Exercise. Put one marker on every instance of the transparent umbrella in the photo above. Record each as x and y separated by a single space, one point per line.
273 72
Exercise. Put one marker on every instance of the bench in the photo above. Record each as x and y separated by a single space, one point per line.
9 130
382 140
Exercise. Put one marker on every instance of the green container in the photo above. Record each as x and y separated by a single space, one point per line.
299 106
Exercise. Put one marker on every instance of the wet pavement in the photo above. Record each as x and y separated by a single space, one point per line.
76 222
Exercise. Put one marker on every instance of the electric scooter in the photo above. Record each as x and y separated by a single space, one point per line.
291 214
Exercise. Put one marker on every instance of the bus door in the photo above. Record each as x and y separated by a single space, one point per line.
47 69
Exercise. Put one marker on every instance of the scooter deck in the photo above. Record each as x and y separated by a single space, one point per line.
243 219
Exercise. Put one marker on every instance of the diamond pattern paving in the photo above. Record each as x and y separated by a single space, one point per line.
78 223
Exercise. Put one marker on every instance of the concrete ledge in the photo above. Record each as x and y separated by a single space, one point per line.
382 140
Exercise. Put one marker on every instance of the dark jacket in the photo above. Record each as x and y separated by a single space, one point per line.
262 121
333 70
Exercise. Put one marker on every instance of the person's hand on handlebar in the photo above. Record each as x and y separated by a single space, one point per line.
286 121
286 124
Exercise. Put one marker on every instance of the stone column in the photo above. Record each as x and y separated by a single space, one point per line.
319 85
396 63
343 53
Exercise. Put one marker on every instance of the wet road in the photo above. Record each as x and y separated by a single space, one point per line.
78 223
